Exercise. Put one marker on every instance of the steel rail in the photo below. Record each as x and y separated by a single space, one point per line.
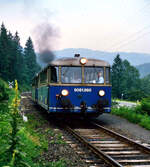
98 152
124 139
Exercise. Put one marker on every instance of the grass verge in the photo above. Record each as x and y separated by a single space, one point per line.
133 115
21 144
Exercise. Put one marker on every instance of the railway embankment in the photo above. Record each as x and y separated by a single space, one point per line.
26 137
20 145
57 153
124 127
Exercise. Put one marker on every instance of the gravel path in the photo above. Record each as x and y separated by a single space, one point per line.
124 127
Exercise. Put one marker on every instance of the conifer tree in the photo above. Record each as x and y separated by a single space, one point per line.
117 76
14 63
125 79
11 58
30 60
4 53
18 59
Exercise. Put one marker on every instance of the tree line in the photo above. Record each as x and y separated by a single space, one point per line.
126 81
17 62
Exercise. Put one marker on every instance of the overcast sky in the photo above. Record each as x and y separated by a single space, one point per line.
106 25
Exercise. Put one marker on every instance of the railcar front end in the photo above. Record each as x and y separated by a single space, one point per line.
74 85
85 100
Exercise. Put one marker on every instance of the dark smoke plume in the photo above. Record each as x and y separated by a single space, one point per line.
46 36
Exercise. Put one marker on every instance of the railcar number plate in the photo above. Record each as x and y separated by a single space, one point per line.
82 90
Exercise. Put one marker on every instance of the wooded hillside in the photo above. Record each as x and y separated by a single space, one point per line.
17 62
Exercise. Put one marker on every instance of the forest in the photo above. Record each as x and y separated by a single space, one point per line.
126 81
16 62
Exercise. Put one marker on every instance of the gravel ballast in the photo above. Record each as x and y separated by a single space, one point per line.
58 149
124 127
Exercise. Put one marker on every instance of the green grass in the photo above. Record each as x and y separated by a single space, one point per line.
134 115
60 163
44 134
122 100
31 139
29 144
5 119
58 139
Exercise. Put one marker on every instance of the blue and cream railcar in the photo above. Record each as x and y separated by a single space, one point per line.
71 85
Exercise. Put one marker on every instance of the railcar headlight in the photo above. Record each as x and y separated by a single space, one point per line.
101 92
64 92
83 61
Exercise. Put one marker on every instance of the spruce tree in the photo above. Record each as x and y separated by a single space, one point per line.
131 80
18 61
4 53
117 77
125 79
11 58
30 61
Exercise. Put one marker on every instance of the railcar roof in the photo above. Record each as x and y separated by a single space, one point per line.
76 62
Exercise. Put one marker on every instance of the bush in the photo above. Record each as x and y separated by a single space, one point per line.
145 122
145 105
3 91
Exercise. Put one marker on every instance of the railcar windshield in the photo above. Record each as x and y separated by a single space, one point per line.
71 75
94 75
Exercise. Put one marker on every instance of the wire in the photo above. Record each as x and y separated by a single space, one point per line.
134 34
129 37
128 42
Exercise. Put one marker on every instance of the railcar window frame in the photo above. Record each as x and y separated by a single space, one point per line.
107 77
54 78
75 79
106 71
43 77
100 69
34 82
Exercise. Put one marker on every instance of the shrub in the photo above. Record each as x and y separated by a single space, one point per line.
3 91
145 105
145 122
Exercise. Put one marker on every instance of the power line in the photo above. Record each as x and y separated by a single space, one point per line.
128 42
147 4
129 37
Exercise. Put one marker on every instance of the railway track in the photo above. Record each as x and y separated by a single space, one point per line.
110 148
104 148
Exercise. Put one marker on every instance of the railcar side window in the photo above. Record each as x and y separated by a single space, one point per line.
94 75
43 77
33 82
107 75
71 75
54 74
36 81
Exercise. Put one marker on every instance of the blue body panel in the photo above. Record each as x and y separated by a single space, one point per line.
77 94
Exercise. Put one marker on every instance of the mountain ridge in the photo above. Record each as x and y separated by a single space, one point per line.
144 69
133 57
140 60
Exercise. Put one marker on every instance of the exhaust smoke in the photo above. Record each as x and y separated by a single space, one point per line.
46 36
